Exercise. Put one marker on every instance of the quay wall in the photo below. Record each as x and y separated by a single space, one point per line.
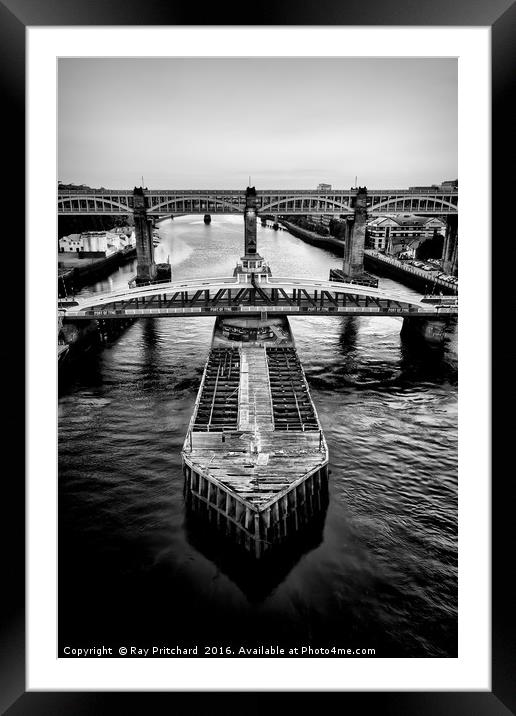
73 278
81 335
431 331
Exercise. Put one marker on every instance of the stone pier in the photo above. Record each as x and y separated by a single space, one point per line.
430 330
354 246
146 268
450 248
353 264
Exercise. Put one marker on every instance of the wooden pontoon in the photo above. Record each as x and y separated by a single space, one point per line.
255 458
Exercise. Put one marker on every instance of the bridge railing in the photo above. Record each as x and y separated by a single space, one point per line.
430 311
260 192
213 284
149 286
148 283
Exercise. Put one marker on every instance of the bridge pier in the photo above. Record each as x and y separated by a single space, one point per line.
354 246
450 248
353 264
433 331
146 268
81 334
207 218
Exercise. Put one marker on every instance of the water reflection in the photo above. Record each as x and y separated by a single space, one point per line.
255 578
424 361
348 336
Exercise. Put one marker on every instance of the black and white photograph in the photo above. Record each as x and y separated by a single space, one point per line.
250 434
258 295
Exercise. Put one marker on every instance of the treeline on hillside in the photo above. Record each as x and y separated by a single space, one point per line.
337 228
305 223
61 185
77 224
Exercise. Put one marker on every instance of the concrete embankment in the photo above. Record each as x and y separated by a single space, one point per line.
424 281
73 275
312 238
79 336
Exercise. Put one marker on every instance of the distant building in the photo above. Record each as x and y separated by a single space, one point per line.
423 188
100 243
125 235
394 234
326 218
323 187
97 244
70 244
448 184
323 219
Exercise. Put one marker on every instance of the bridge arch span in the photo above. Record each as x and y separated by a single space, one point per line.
170 206
331 206
65 205
445 205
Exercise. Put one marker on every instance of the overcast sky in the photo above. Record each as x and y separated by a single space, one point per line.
288 123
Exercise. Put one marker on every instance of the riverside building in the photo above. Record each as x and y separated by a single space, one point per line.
393 234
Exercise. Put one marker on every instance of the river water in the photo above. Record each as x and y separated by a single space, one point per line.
380 571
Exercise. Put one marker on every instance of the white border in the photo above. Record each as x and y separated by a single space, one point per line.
471 671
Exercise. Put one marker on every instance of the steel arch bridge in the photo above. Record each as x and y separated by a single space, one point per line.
228 296
434 201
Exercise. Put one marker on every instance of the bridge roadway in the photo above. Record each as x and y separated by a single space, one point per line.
278 296
166 202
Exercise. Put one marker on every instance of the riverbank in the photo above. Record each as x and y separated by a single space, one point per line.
74 273
77 338
411 276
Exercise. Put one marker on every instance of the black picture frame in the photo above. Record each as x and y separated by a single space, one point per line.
15 16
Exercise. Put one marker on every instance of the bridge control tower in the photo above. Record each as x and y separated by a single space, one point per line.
251 267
